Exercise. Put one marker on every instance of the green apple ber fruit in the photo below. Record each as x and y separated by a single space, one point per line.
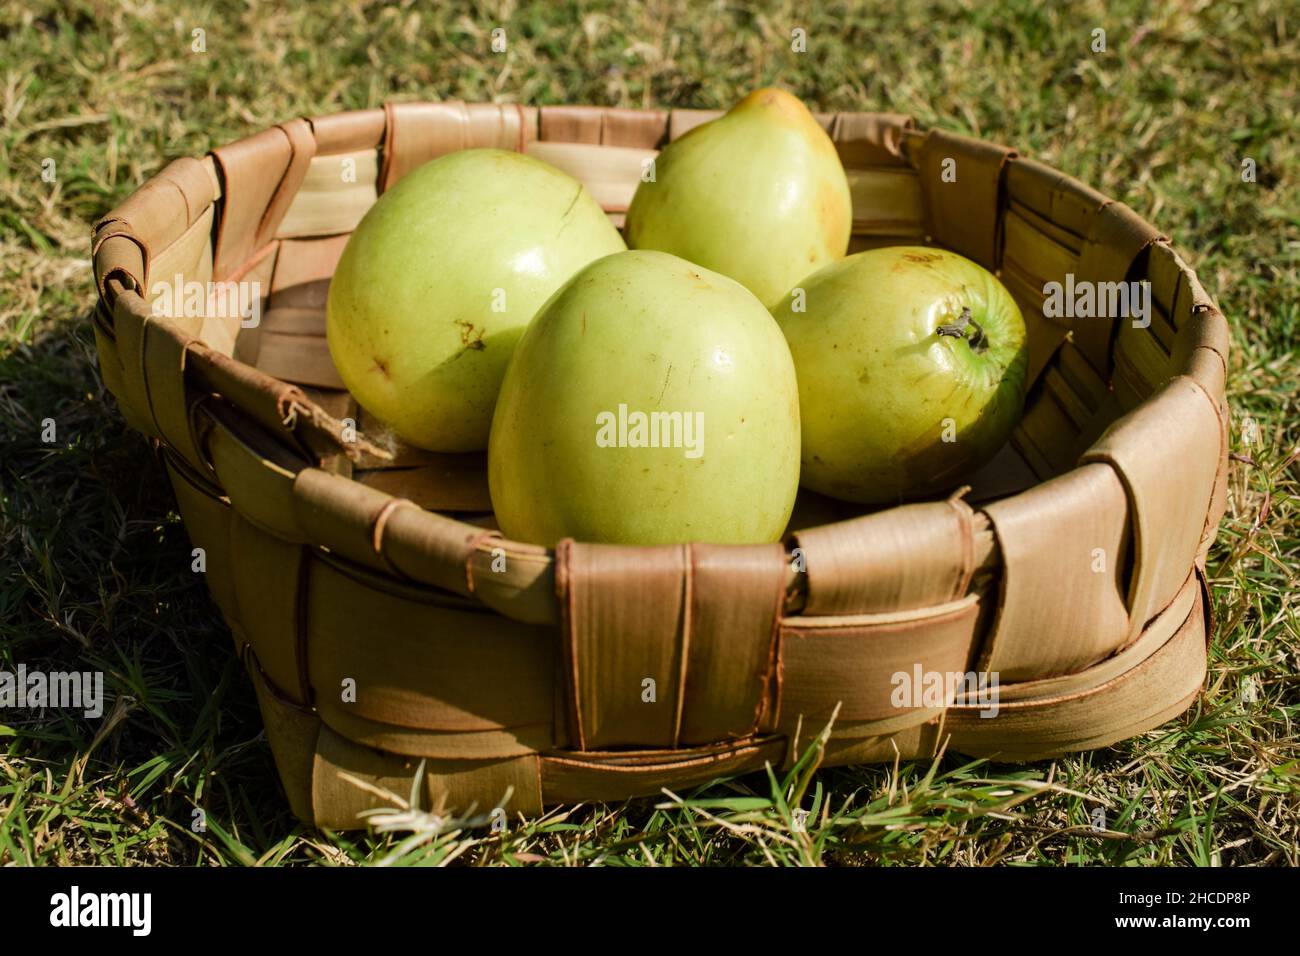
650 402
440 278
758 194
911 365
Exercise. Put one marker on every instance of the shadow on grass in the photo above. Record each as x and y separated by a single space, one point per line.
95 575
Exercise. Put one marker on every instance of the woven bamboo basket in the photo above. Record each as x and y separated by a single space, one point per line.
388 627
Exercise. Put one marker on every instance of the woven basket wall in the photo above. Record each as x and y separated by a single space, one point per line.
332 564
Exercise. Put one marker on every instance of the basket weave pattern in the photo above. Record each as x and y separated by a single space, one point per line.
1073 569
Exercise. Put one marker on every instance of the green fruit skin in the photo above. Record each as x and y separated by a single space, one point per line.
414 324
876 382
759 194
656 333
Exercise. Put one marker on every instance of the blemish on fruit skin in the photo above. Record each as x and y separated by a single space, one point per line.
667 376
920 258
381 367
471 337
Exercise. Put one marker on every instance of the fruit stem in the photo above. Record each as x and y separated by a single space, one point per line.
979 342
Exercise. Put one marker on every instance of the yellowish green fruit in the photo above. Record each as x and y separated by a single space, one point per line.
650 402
911 366
758 194
439 280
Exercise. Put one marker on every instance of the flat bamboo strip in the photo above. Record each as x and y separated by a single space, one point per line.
1154 637
292 734
1038 257
336 192
457 483
1142 697
914 556
886 202
1058 234
348 131
1069 538
303 268
1168 508
348 779
222 331
1062 200
266 593
610 173
208 522
616 776
297 358
190 258
850 662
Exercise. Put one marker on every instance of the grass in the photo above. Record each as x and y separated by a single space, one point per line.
94 562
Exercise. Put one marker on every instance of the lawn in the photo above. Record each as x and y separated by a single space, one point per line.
95 563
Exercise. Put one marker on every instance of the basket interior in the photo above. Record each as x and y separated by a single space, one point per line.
1073 397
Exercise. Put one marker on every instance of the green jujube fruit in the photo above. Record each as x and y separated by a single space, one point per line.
650 402
440 278
758 194
911 365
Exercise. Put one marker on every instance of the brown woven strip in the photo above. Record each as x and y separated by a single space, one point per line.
728 684
119 256
269 591
1064 543
495 126
158 212
260 176
1145 695
429 548
1060 201
570 124
965 213
130 319
870 139
641 129
418 663
208 524
1117 237
191 177
345 132
1082 680
1167 507
624 613
292 734
852 661
616 776
475 543
908 557
415 133
349 779
517 580
170 400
